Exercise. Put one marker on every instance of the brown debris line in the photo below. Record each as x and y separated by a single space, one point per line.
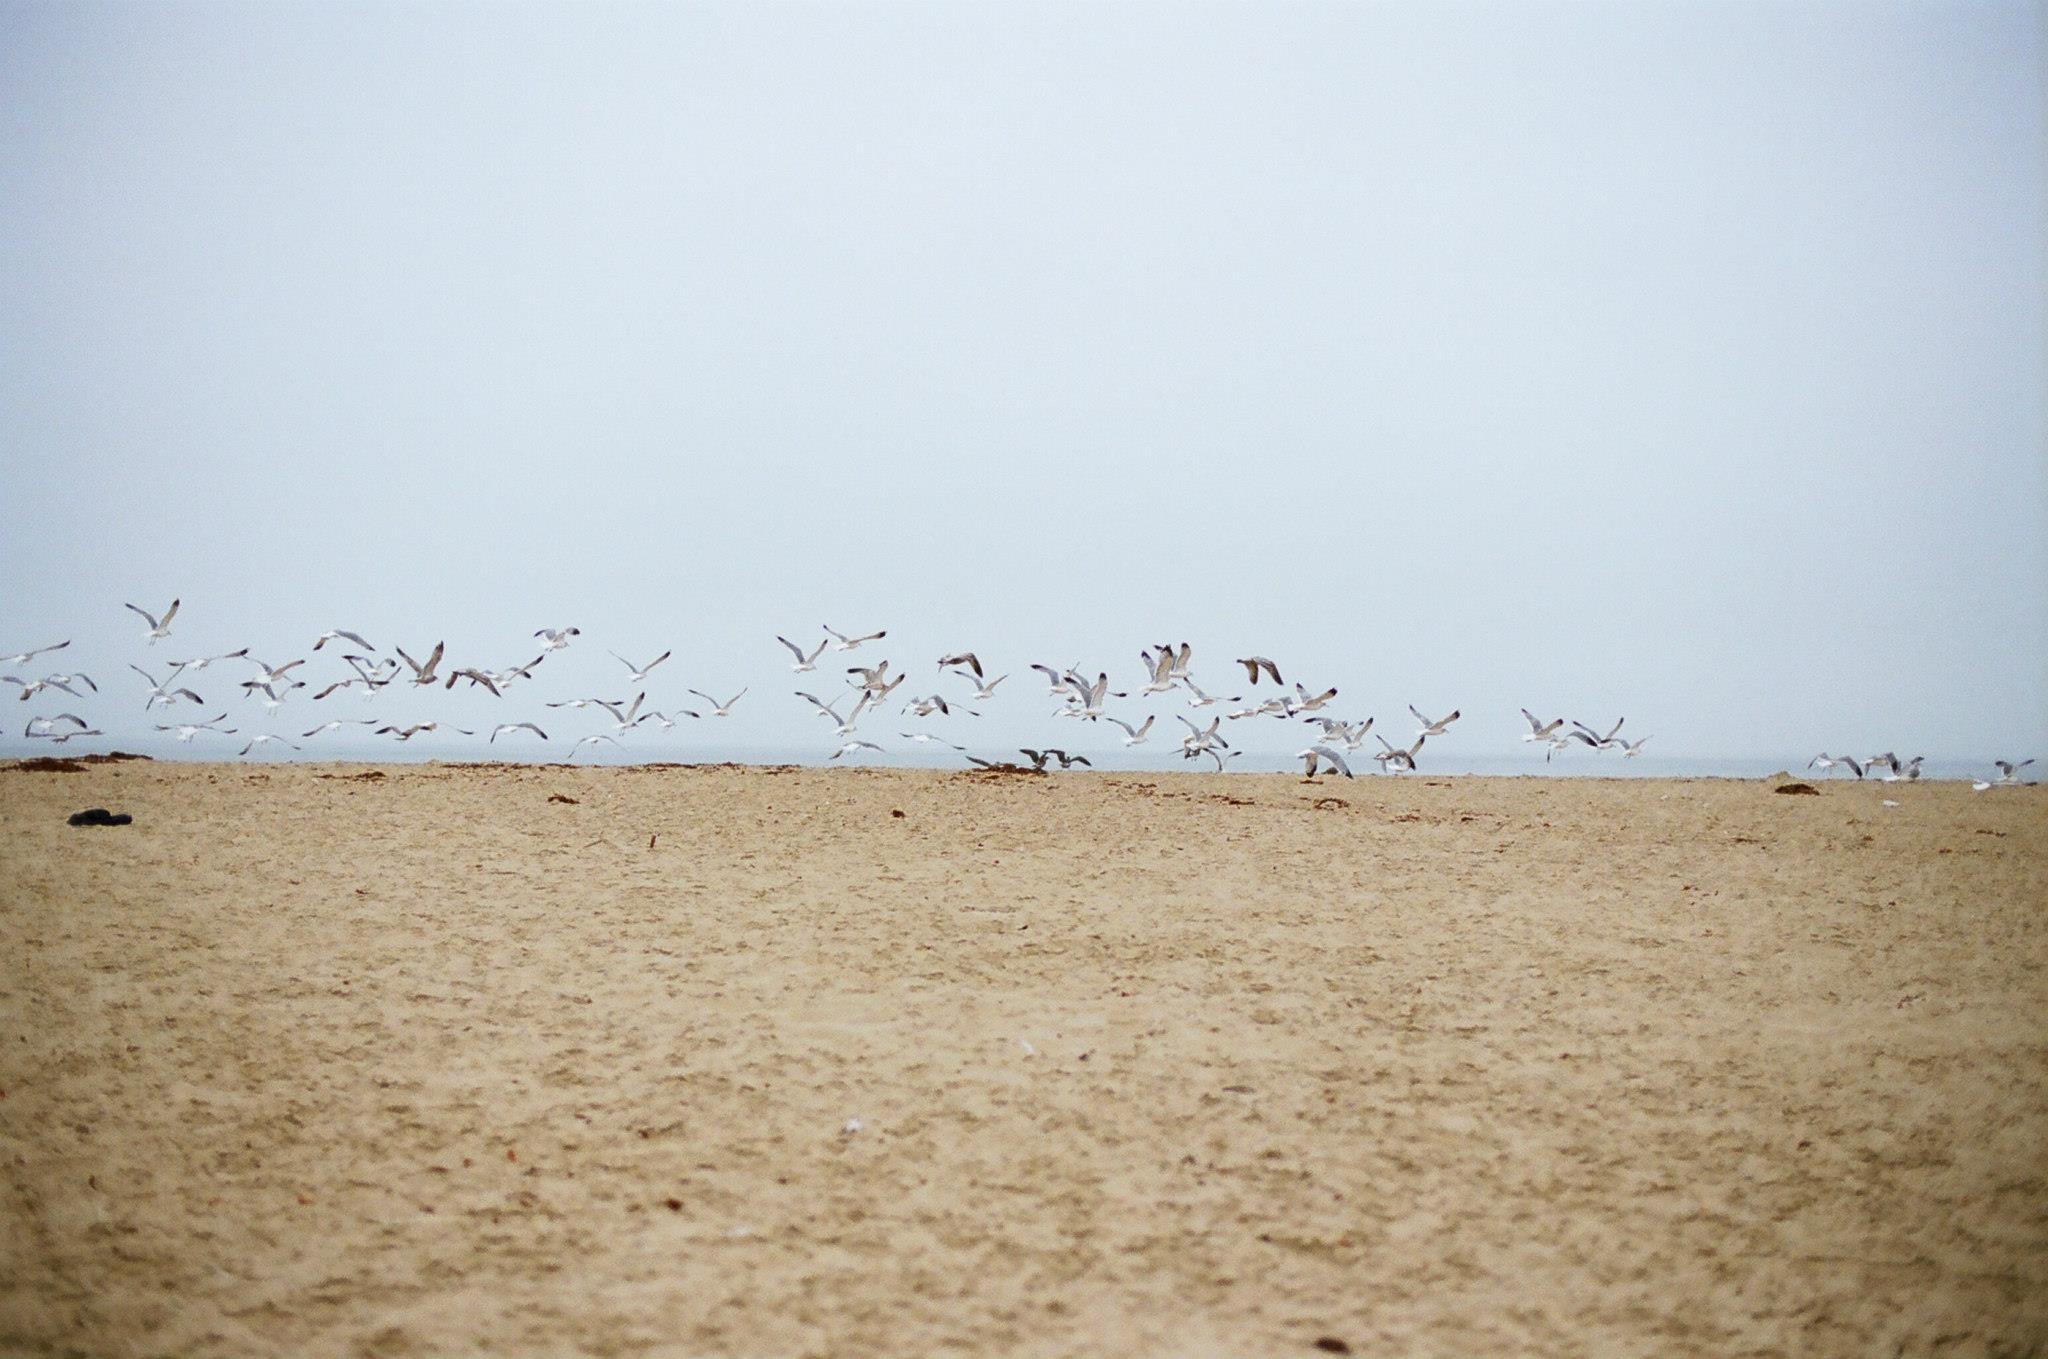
48 764
367 774
1798 789
1085 1068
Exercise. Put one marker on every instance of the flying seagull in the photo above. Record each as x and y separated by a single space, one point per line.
256 741
1253 664
159 628
804 662
424 674
187 730
852 746
1437 727
1540 731
1825 761
554 639
337 724
324 638
847 643
163 693
507 728
1133 736
966 658
927 736
2008 772
24 657
1325 755
719 709
640 672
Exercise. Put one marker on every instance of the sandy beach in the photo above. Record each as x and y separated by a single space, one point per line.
339 1060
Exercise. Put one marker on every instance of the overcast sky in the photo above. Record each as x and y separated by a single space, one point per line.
1681 360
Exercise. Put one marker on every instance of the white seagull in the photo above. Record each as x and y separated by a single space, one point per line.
2009 772
927 736
719 709
337 724
187 730
255 741
554 639
163 693
507 728
1539 730
324 638
1133 736
1313 754
847 643
803 662
1436 727
852 746
639 673
159 628
24 657
423 675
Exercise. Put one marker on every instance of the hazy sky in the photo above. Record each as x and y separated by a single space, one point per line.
1678 360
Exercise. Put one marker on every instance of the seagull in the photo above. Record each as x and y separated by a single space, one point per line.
1982 785
2008 772
629 718
272 700
1202 700
369 685
1159 670
423 675
1540 731
852 746
1200 739
407 733
662 719
1056 681
1599 742
925 707
1090 695
476 678
159 628
163 693
1436 728
187 730
586 703
719 709
507 728
44 728
324 638
1631 749
1905 773
1826 761
849 643
1037 758
983 689
513 672
337 724
1133 736
1888 760
201 662
966 658
1396 759
554 639
24 657
275 674
256 741
1307 703
927 736
1253 664
804 662
640 672
30 688
1313 754
871 679
588 741
1069 761
1220 758
825 709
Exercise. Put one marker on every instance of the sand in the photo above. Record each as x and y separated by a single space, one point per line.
443 1060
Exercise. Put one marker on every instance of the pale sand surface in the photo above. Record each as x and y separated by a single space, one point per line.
429 1064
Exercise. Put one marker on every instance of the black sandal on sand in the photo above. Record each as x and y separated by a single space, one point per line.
100 816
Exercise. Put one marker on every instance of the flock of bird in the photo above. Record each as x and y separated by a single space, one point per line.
868 692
